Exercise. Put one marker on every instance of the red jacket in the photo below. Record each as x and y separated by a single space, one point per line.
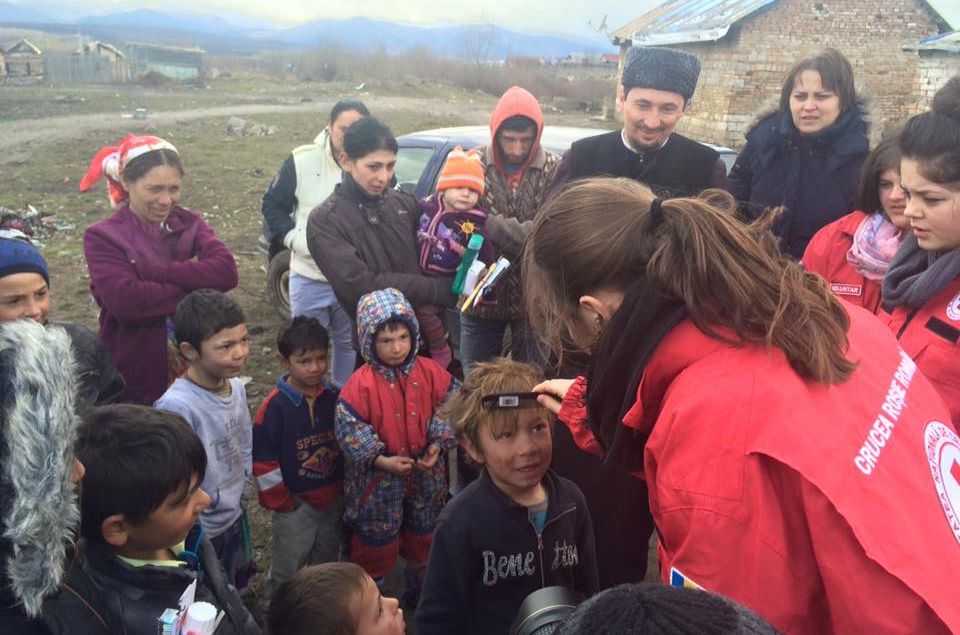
930 336
826 254
392 411
817 506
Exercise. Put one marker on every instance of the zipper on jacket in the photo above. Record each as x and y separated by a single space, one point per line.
907 322
543 575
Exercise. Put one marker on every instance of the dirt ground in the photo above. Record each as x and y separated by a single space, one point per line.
48 135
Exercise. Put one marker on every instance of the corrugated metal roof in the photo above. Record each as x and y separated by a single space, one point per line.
164 47
949 10
679 21
944 42
682 21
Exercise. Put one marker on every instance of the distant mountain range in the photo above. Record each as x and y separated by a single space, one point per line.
220 33
22 13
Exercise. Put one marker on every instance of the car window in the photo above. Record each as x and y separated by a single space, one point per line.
411 162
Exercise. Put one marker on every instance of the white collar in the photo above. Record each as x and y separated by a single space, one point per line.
629 146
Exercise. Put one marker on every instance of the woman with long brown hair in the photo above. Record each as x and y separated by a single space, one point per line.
782 436
854 252
922 287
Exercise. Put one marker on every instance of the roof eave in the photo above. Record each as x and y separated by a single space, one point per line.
673 37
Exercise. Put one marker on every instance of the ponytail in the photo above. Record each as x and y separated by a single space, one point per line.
732 279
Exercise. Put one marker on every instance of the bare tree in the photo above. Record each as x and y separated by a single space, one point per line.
479 43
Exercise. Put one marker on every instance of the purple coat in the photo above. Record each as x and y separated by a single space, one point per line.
138 275
443 239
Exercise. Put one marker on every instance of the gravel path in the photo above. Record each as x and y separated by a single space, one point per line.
22 132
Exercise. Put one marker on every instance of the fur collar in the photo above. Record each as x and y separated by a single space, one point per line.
38 427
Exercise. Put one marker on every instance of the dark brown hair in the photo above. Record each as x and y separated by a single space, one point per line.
730 277
348 105
836 74
302 334
139 166
135 458
886 156
317 600
933 138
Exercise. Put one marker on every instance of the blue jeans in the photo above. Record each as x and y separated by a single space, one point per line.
316 299
482 340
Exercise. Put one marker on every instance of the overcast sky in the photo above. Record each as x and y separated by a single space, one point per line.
565 16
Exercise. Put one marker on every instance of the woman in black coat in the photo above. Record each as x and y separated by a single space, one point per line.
807 155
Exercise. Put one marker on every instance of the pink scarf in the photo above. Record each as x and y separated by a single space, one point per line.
874 245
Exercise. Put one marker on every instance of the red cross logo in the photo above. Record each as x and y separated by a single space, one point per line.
955 471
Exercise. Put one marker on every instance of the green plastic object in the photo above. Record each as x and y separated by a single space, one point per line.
473 248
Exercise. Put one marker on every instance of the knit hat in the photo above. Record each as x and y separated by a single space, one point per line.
657 609
110 162
661 69
19 255
462 169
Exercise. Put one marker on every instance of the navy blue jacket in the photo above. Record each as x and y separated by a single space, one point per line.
487 557
814 177
296 457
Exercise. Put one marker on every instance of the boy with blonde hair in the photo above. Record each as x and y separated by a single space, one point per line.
517 528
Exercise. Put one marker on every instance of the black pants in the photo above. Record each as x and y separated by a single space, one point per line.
622 523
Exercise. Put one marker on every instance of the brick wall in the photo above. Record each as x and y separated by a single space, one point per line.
934 69
742 73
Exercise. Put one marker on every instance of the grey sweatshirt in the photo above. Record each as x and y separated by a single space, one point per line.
224 426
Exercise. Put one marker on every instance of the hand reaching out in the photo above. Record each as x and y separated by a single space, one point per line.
552 393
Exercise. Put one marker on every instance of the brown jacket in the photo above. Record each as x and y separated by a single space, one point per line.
363 244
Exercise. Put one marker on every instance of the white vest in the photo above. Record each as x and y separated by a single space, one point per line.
317 175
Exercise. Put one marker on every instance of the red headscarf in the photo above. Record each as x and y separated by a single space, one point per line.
111 160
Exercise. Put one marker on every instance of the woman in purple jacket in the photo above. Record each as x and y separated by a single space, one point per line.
146 257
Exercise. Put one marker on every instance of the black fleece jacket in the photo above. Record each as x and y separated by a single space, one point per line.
487 557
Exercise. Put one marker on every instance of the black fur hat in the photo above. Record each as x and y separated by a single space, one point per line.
661 69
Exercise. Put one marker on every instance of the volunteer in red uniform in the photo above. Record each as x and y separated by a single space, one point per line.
854 252
796 461
922 287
